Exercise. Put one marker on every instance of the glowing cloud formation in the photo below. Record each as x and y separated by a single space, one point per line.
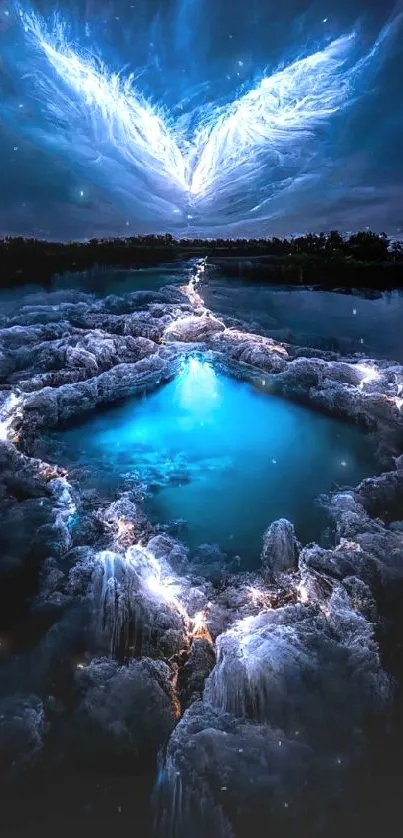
215 165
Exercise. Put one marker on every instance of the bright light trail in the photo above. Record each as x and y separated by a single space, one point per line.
369 374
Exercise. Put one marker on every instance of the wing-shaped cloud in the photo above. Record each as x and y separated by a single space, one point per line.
257 157
274 128
101 120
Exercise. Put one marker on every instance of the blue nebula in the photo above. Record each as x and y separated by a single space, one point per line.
220 454
199 118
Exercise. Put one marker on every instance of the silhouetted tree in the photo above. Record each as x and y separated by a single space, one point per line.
368 247
397 251
294 260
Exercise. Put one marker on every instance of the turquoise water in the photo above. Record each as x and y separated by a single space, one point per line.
223 456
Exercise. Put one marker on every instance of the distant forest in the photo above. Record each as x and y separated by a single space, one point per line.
364 259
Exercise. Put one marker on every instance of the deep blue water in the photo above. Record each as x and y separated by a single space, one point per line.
220 454
348 323
325 319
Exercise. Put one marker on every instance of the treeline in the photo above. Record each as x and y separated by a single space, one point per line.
314 257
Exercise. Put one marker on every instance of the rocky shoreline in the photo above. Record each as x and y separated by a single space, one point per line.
253 688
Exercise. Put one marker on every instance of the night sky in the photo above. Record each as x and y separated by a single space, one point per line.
62 176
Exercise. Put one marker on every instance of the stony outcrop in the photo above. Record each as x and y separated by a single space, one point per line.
258 683
280 550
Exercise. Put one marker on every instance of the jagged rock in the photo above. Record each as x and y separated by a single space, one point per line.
22 730
274 668
383 494
264 353
132 610
49 407
53 584
349 515
361 598
291 684
83 563
124 713
124 509
280 550
375 551
198 666
78 358
194 329
349 559
209 562
175 553
223 769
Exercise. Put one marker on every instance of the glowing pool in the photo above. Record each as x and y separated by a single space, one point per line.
220 455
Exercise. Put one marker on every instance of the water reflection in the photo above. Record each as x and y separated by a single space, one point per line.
323 319
221 455
327 320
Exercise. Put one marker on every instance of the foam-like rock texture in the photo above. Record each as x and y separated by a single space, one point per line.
255 689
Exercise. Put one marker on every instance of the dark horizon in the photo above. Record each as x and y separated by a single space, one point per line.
364 259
